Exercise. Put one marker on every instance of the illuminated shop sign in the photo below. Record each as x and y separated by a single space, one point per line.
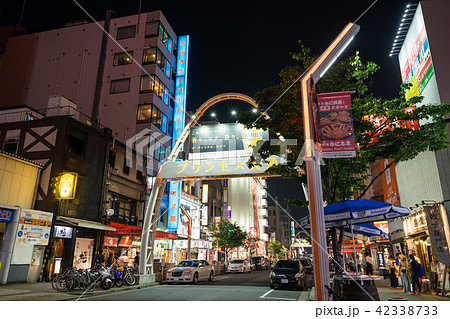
415 57
67 185
178 126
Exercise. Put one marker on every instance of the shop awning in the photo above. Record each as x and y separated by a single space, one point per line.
84 223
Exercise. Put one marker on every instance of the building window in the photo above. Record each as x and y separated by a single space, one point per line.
149 56
75 145
126 32
160 151
124 210
112 159
139 175
155 56
155 28
10 145
126 169
149 113
123 58
145 113
120 86
154 84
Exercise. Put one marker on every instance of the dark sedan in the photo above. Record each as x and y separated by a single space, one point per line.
287 273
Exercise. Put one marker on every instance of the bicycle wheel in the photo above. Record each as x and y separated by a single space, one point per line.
54 282
62 284
87 282
130 279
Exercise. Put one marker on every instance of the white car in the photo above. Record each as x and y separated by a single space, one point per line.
190 271
240 265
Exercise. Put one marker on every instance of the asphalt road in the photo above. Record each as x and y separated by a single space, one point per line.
230 287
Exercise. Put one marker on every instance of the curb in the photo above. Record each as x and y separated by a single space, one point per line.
312 294
95 293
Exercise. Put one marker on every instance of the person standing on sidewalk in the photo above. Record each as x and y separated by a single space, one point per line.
368 264
404 271
414 267
392 275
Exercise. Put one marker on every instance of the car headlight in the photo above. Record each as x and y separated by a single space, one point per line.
186 272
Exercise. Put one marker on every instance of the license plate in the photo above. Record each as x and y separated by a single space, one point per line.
284 281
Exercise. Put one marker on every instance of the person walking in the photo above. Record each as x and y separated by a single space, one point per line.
358 262
123 260
414 267
392 274
351 265
368 262
99 259
404 271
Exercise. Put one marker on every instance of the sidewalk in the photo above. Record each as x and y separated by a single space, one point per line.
385 292
41 291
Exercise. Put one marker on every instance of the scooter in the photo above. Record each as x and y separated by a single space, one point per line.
118 279
106 280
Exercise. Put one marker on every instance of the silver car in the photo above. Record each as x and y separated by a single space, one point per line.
240 265
190 271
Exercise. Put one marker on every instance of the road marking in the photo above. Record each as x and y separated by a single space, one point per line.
215 279
278 298
263 296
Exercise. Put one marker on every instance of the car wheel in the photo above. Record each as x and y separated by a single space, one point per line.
211 276
195 280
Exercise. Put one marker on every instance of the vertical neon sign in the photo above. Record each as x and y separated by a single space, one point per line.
178 126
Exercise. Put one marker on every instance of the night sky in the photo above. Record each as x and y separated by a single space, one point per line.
240 46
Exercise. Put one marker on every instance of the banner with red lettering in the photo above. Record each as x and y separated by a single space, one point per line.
335 125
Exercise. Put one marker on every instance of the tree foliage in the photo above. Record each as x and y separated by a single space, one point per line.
227 235
277 249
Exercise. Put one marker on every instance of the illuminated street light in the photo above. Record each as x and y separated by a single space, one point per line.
254 110
311 76
233 112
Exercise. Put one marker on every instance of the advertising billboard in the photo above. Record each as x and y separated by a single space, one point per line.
215 141
415 57
335 125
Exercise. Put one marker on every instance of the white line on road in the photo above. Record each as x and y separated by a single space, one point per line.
278 298
263 296
215 279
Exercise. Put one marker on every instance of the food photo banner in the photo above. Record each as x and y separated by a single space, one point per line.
334 125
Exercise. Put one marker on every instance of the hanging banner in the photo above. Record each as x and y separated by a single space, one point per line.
389 182
438 232
334 125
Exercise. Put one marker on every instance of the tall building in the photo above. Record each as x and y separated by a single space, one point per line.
279 222
126 81
422 44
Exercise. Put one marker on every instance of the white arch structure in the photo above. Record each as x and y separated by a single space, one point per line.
154 200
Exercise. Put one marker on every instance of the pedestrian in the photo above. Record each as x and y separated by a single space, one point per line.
136 261
359 262
392 273
123 260
109 260
368 262
99 259
404 271
351 264
414 268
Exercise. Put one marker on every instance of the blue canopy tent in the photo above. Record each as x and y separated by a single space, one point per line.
350 213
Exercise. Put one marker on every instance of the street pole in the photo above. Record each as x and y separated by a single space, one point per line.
313 75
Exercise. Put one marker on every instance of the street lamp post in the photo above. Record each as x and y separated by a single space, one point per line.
313 75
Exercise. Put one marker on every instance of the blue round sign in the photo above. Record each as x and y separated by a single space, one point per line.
20 233
46 236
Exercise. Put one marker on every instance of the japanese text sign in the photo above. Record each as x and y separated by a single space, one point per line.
335 125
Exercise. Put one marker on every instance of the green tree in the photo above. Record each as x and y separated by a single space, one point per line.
277 249
227 236
393 139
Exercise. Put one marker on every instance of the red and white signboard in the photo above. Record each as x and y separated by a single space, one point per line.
335 125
